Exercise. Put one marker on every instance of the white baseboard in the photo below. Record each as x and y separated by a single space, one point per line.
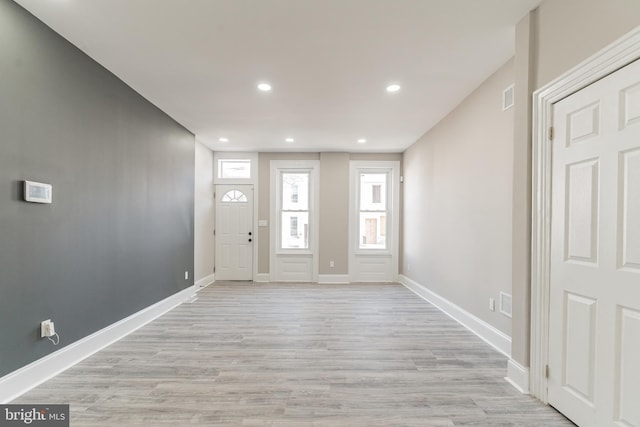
262 278
518 376
35 373
492 336
205 281
333 278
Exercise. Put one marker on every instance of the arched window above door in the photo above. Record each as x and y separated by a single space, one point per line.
234 196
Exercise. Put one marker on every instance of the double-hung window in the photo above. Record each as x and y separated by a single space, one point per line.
373 210
294 202
373 220
294 210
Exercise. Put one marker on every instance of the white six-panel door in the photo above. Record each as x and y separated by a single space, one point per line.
594 336
234 232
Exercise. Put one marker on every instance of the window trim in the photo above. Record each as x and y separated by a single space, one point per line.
368 168
294 166
387 259
252 157
221 162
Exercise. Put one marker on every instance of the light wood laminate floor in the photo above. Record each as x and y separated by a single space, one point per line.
248 354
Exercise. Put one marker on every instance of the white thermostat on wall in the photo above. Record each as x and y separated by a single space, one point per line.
37 192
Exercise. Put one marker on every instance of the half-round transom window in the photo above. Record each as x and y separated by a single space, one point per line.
234 196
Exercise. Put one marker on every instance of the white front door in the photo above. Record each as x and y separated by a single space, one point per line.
234 232
594 319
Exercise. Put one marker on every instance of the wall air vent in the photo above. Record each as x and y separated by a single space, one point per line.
507 98
505 304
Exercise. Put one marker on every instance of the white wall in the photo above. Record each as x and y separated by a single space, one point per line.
457 203
204 213
549 42
570 31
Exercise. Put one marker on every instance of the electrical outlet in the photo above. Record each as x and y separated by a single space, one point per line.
332 264
47 328
492 304
186 275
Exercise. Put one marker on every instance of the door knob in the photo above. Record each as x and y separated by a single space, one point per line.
249 239
249 233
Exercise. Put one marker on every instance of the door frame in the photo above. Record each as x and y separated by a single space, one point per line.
615 56
255 170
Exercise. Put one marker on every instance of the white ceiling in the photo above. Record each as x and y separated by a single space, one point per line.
328 61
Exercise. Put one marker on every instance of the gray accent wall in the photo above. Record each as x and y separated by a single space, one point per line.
119 234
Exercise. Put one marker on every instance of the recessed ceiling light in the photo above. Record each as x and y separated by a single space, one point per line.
393 88
224 140
289 140
362 141
265 87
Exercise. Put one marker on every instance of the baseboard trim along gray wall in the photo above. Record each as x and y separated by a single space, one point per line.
205 281
119 235
36 373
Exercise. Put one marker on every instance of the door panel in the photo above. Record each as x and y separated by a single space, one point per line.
581 230
630 106
594 318
579 351
583 124
629 207
234 232
627 408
